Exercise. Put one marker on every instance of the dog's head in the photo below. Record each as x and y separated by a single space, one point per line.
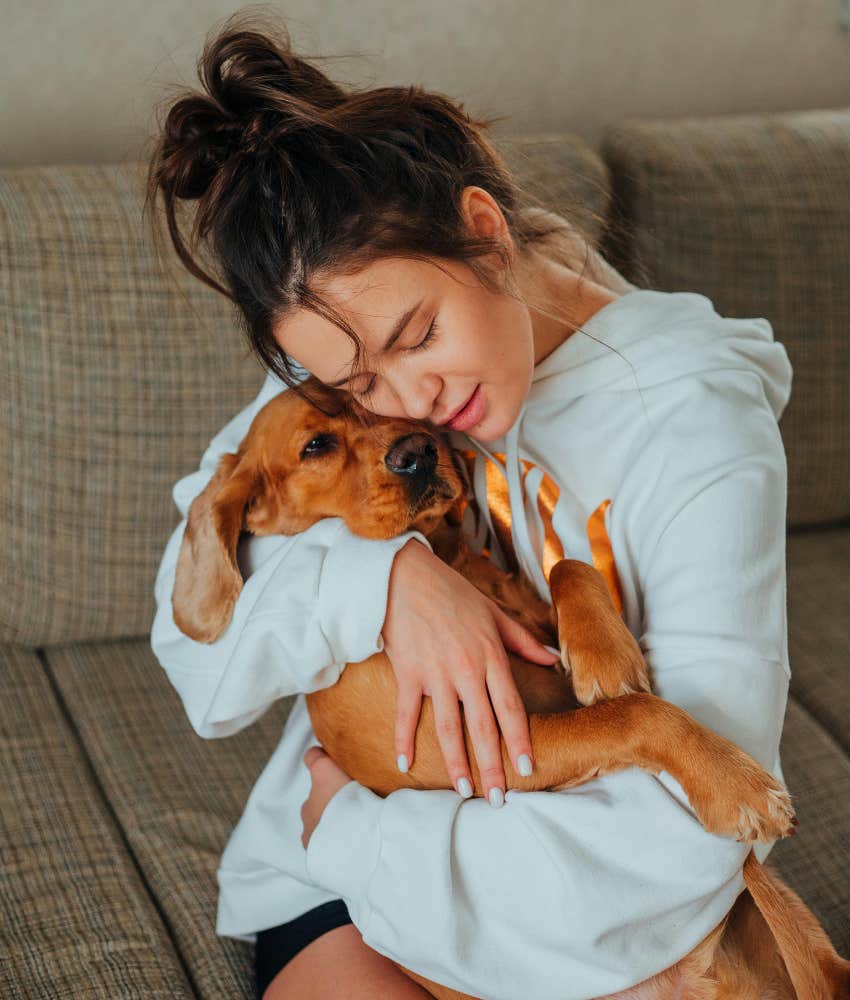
296 465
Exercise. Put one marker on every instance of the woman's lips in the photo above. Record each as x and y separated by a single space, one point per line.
471 413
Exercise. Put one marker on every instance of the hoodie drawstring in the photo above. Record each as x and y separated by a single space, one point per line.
497 478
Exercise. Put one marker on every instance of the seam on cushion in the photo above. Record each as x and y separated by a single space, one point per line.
101 791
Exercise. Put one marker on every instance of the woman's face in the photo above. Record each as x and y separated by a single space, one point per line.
458 336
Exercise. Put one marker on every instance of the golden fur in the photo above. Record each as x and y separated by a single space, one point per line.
594 714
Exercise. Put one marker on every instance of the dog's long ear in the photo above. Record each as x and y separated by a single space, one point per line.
208 581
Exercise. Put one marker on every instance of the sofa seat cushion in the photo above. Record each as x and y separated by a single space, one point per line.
76 918
177 797
819 625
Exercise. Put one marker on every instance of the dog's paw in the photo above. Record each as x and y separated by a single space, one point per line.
746 803
596 677
776 821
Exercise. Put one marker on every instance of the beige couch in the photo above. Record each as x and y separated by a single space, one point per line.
113 378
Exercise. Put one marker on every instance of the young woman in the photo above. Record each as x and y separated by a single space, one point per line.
337 218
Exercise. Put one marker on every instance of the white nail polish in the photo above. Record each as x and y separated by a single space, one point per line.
464 787
496 797
524 765
402 762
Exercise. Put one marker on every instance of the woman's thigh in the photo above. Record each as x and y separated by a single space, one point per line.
339 965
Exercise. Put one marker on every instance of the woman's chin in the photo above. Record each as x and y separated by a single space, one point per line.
490 428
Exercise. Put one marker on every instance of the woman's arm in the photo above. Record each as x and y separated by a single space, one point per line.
311 603
590 890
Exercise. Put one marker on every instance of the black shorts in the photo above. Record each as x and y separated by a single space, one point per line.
278 945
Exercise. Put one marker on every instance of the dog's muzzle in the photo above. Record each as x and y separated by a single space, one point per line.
413 455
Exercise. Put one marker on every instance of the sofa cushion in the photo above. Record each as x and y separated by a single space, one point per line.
177 796
754 212
819 625
114 379
116 372
76 919
563 173
814 862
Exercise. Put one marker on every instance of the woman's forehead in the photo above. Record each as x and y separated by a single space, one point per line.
372 300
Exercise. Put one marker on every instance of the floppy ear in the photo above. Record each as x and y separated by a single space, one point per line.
208 581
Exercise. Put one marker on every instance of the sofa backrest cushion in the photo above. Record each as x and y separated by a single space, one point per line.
113 379
753 211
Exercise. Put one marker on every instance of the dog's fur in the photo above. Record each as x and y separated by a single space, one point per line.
594 714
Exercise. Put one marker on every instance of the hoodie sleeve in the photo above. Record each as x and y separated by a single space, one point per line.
311 603
588 891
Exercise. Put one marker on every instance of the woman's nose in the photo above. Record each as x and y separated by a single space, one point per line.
419 397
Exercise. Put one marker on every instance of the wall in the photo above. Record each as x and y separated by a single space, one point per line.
79 81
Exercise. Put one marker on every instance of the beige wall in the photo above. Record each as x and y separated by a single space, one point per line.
78 80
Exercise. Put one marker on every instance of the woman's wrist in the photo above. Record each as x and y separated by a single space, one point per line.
407 555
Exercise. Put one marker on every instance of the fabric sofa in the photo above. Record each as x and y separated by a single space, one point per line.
116 368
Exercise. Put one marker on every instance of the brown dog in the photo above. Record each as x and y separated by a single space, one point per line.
299 463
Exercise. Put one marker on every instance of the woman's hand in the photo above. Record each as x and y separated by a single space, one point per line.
447 640
326 779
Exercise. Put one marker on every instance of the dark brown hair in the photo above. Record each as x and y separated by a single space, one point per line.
293 176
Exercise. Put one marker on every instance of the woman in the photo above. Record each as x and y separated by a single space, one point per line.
337 218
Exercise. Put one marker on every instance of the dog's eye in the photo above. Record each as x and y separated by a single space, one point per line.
319 444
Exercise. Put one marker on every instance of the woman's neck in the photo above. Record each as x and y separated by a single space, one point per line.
560 301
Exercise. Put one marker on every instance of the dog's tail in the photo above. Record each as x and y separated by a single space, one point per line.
817 971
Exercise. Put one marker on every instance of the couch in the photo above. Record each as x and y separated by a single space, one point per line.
116 369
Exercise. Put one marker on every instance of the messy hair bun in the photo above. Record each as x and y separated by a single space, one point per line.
258 96
290 174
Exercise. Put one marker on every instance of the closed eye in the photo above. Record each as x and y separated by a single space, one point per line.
428 339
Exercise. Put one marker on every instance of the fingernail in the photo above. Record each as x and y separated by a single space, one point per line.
524 765
464 787
401 760
496 797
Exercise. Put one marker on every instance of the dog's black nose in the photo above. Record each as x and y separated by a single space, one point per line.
412 455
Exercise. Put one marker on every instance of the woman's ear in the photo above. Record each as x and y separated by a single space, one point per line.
208 580
484 217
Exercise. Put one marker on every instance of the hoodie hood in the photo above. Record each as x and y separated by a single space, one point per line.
667 335
641 339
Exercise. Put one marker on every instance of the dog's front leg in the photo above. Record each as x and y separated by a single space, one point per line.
597 649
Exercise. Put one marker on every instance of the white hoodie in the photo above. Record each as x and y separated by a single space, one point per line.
556 895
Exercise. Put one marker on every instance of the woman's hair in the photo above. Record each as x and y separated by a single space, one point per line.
295 177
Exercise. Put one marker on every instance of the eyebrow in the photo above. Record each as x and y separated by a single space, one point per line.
397 330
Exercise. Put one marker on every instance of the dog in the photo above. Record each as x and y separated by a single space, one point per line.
315 452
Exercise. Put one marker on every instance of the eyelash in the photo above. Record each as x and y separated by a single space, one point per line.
425 342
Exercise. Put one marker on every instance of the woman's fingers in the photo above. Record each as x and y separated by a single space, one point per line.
518 639
510 711
465 661
486 741
450 736
408 709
